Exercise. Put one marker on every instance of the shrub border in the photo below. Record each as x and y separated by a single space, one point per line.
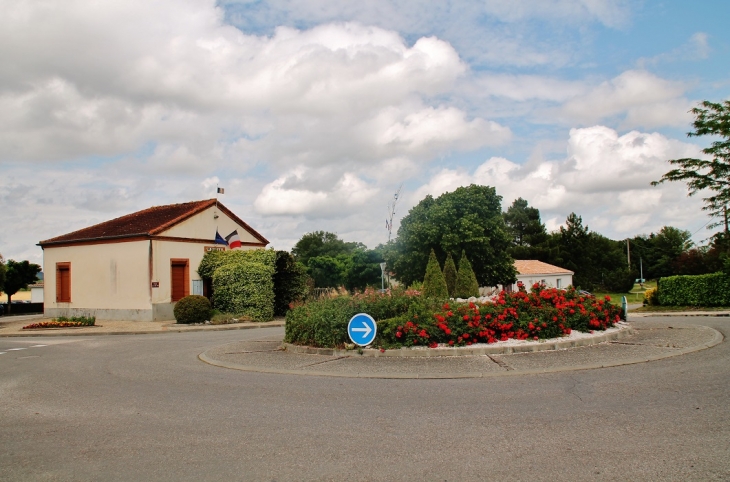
623 330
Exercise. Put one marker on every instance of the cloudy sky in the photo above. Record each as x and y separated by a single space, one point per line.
311 113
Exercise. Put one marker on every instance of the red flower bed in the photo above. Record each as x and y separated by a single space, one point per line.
542 313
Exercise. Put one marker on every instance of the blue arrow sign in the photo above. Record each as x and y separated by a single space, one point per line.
362 329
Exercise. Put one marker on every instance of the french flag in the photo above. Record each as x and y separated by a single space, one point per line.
233 240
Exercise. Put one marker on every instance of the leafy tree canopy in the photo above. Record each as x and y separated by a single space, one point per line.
713 175
469 219
322 243
19 274
3 270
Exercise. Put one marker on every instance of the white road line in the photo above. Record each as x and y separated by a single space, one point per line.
2 352
15 349
37 346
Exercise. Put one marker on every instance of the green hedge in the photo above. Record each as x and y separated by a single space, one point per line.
215 259
290 282
245 288
702 290
192 309
323 323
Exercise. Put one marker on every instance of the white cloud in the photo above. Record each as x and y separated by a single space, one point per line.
642 99
605 179
293 194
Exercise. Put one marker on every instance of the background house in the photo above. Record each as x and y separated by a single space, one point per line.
137 266
532 271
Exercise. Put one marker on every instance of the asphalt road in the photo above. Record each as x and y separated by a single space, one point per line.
145 408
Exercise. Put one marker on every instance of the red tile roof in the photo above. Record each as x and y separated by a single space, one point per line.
531 266
148 222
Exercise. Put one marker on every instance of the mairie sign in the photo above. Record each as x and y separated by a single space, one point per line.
362 329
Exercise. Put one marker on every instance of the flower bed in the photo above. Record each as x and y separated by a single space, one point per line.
543 313
407 319
63 322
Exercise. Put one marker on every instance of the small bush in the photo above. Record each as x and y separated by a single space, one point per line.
434 284
650 297
450 274
466 281
192 309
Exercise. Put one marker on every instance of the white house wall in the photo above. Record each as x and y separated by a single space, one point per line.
551 280
109 281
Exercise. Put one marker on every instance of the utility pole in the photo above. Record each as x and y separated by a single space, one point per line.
628 252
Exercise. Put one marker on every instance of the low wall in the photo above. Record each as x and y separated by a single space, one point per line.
21 308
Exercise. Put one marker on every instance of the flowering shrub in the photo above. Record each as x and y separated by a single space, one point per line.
406 319
63 322
542 313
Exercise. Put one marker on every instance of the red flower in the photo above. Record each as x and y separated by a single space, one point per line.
451 342
465 335
398 334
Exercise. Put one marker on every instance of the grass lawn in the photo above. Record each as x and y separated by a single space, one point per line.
636 295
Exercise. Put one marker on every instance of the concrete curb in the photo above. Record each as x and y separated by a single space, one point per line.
716 340
623 332
164 329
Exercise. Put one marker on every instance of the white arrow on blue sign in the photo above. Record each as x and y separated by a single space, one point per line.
362 329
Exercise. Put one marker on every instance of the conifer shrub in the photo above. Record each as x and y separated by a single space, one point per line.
466 281
192 309
450 274
434 284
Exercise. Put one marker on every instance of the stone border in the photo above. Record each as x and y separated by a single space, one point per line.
623 332
716 340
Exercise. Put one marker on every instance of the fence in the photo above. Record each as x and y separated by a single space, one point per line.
21 308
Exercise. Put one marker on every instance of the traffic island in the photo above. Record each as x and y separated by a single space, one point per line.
639 343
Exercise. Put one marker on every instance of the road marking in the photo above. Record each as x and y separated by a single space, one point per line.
15 349
38 346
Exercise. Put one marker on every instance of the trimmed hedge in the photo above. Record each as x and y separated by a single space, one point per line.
466 281
323 323
434 283
192 309
245 288
215 259
701 290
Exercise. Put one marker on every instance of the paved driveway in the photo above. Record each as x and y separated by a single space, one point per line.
145 408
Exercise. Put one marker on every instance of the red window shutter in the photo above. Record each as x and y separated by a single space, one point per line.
63 282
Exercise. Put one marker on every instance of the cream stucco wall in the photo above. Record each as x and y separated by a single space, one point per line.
204 224
111 276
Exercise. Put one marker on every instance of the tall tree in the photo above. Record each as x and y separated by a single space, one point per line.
450 274
18 276
469 219
524 225
668 245
711 119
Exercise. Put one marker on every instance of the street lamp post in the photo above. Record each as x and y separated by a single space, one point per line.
382 277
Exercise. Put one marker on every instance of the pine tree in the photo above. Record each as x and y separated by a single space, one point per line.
434 284
466 281
450 274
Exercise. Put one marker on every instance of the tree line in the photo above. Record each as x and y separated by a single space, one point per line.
469 221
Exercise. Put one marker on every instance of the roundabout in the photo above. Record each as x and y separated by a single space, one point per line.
637 342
